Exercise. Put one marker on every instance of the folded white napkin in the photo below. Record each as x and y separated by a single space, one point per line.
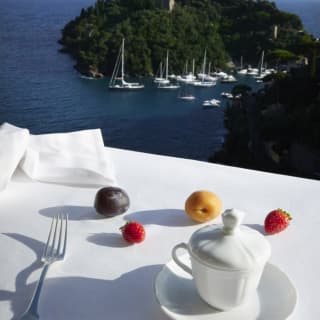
78 158
13 144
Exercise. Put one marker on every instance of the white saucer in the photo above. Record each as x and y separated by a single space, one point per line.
177 295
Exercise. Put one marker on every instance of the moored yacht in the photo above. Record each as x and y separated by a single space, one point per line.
211 103
117 81
188 77
227 95
202 82
228 79
160 78
242 70
167 84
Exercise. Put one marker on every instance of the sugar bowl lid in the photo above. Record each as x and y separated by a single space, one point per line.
230 246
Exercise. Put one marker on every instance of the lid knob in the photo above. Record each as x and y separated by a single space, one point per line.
231 218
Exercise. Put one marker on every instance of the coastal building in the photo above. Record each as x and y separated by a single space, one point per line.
167 4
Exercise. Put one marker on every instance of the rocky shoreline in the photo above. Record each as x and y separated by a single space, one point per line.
90 72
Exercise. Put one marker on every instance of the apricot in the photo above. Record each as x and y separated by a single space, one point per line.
203 206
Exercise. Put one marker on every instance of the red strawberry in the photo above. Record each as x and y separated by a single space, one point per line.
133 232
276 221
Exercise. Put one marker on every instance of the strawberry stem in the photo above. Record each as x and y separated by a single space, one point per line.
286 213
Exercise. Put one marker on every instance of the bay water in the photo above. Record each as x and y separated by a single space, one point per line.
40 90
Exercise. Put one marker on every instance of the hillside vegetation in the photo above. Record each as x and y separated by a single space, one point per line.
278 128
228 29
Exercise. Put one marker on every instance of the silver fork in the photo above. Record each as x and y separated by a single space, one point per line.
54 250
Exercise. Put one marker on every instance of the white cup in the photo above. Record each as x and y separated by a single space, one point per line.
226 263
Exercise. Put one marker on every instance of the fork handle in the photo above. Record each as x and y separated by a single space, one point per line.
32 311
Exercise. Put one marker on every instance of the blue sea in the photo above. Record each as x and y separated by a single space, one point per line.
40 90
307 10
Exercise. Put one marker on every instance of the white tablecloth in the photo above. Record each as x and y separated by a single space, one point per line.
104 278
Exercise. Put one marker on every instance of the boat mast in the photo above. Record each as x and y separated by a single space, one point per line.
161 72
262 58
192 68
204 64
122 61
115 69
167 63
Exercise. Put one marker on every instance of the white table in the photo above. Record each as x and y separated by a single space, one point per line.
103 275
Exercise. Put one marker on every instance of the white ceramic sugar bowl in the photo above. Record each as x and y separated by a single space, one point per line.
226 262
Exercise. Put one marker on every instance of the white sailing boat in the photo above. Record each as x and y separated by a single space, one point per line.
117 81
188 77
208 76
219 74
229 78
160 78
242 70
262 70
166 84
252 71
261 73
203 82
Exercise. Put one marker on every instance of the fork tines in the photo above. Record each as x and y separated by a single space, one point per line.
55 248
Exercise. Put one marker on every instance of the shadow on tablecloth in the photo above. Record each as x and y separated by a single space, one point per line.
162 217
74 212
129 296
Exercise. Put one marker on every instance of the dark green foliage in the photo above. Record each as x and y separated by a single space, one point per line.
247 28
299 117
224 27
281 56
265 127
94 38
275 76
